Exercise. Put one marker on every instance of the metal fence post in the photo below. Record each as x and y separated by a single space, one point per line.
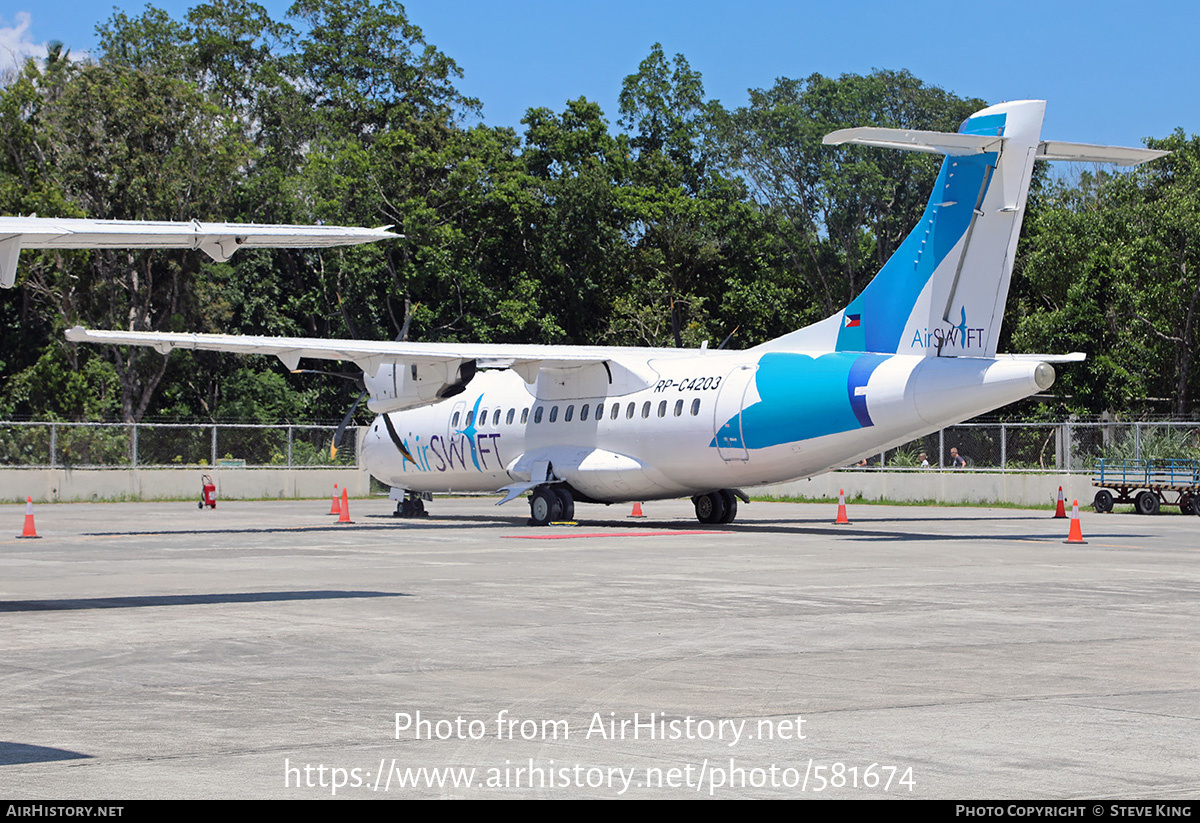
1071 442
133 445
53 445
214 445
1003 447
289 445
941 448
1137 441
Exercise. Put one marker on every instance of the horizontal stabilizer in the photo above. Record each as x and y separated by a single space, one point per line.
1088 153
218 240
930 142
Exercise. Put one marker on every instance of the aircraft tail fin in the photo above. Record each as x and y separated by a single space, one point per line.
942 292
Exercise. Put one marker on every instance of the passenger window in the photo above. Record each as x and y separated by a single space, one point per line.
569 413
496 418
537 415
470 419
678 407
483 418
508 419
662 409
583 413
616 409
553 413
696 407
454 421
600 411
646 409
629 412
524 416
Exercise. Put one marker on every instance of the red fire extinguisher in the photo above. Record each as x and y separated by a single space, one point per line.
208 492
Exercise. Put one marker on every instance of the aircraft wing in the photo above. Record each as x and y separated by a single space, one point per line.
369 355
218 240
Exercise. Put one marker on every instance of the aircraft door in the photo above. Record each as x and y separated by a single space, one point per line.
727 416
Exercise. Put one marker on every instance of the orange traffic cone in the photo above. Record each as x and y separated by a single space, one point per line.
344 517
29 531
637 510
335 508
1076 534
841 518
1059 510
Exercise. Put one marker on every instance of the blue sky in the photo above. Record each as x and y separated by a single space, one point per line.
1111 72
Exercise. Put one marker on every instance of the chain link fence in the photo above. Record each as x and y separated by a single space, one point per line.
1067 446
158 445
1063 446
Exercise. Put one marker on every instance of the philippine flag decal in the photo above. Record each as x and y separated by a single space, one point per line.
852 320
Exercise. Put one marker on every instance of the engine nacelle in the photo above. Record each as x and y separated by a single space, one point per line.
412 385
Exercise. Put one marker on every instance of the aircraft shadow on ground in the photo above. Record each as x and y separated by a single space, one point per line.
12 754
141 601
866 529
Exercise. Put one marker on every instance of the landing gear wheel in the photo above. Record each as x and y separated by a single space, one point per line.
1103 501
1146 503
410 506
710 508
544 506
730 500
567 503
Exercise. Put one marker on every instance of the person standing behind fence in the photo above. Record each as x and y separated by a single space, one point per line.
924 458
957 460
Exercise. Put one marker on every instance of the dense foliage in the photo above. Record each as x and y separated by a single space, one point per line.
682 223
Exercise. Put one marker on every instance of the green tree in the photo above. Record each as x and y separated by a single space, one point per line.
840 213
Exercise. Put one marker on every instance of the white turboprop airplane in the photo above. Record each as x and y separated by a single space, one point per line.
218 240
914 352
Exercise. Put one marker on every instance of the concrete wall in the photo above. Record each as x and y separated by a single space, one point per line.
946 486
48 485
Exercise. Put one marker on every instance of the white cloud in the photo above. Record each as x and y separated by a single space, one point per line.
16 46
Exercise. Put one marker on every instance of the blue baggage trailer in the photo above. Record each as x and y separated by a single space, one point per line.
1148 485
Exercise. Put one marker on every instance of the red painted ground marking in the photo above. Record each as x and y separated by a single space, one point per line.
605 534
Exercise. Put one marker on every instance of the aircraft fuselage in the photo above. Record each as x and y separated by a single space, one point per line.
703 422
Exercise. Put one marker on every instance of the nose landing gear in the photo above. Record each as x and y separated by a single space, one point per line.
413 505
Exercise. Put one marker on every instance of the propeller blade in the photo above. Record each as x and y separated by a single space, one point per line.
341 429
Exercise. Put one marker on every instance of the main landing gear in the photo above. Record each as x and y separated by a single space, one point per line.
716 507
411 506
551 504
